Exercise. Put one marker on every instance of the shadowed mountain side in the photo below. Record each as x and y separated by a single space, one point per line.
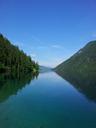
10 86
84 84
83 62
80 70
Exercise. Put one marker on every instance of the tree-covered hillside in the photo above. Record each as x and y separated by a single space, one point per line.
81 64
80 70
13 60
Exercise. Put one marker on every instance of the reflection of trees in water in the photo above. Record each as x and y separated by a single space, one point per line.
9 85
84 83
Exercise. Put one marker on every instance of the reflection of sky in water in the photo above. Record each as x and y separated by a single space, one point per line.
48 102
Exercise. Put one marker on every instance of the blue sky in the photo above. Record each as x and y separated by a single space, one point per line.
50 31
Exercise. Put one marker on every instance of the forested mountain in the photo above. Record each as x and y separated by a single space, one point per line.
81 64
80 70
14 60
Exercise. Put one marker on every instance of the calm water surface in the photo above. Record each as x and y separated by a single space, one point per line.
46 102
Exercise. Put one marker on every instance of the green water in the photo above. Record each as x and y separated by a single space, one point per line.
46 102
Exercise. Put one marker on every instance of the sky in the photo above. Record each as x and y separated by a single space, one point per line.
50 31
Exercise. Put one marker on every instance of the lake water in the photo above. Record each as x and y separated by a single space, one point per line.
46 102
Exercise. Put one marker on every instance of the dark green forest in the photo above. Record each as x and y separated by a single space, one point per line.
81 65
13 60
80 70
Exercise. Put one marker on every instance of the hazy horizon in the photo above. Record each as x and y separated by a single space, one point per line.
49 31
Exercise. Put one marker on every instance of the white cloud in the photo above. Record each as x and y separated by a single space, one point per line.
57 46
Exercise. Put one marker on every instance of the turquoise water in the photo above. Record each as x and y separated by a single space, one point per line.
46 102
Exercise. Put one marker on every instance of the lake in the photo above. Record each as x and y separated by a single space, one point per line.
48 101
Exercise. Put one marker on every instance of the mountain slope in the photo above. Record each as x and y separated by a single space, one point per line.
83 63
80 70
14 60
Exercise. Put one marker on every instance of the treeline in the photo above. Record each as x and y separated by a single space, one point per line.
14 60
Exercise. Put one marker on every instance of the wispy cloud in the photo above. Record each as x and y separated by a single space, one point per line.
43 46
35 38
57 46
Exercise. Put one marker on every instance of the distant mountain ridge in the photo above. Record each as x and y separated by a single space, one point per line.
81 63
43 69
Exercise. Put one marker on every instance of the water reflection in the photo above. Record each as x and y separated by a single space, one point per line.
84 83
10 85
